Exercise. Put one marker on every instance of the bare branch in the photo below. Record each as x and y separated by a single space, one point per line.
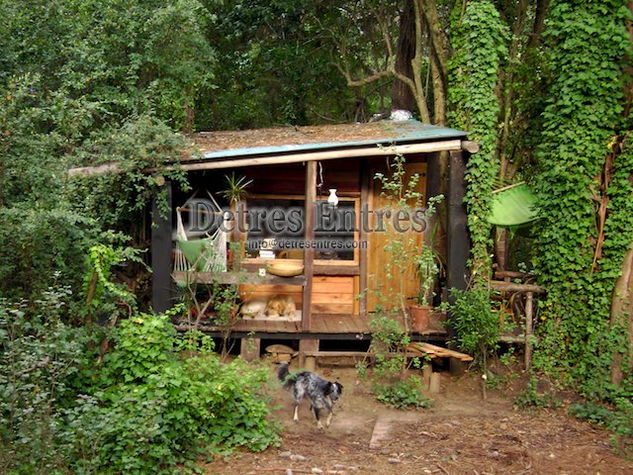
366 80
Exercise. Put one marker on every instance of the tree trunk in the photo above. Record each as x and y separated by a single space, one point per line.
622 314
539 22
438 58
401 95
439 93
501 247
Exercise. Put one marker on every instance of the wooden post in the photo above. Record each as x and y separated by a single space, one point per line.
457 367
161 255
427 371
308 253
309 346
434 385
250 348
458 241
529 296
362 236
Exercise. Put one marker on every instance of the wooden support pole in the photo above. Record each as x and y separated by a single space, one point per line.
307 351
434 384
457 367
529 297
161 255
365 181
458 241
250 348
427 371
308 253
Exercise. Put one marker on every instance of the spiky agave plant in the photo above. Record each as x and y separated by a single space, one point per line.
236 188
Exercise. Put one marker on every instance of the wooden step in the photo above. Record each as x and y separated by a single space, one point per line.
435 351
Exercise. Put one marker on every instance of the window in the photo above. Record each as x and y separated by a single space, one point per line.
276 229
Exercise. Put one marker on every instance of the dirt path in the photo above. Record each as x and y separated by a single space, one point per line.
460 434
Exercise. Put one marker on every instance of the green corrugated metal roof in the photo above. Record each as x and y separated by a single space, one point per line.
382 133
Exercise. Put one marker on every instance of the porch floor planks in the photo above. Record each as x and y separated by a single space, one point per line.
332 324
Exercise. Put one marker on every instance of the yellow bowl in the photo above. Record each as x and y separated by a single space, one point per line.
284 269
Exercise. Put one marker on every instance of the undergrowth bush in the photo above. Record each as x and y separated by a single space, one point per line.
156 400
618 419
403 394
41 359
389 381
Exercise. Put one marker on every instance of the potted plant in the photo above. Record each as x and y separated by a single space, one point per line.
427 268
235 193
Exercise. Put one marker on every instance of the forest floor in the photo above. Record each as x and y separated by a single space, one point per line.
460 434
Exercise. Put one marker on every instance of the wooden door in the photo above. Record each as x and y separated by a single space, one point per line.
378 259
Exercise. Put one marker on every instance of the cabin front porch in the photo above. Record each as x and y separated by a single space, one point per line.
332 295
323 326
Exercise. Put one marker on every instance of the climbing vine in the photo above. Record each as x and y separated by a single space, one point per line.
139 149
479 45
584 191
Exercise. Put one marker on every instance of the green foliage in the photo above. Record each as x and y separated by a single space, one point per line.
41 361
258 40
122 58
185 410
183 402
37 127
388 379
145 408
403 394
476 326
479 45
98 285
140 148
235 190
40 246
587 46
388 345
531 397
617 419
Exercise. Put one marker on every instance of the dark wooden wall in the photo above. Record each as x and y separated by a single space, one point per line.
162 286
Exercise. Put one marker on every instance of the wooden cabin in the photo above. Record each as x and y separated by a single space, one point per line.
296 167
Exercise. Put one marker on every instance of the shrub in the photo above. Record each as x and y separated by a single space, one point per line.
402 394
38 244
148 407
476 325
41 359
617 418
389 382
162 409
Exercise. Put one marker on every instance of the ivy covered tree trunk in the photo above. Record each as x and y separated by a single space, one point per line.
479 45
583 189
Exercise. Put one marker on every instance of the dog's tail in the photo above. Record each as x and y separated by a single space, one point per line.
284 375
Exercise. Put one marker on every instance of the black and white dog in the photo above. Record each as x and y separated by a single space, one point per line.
321 393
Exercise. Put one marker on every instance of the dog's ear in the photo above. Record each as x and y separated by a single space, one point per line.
340 387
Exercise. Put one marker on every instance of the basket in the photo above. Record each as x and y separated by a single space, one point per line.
283 268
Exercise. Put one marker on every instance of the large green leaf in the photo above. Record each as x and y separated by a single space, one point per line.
513 207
